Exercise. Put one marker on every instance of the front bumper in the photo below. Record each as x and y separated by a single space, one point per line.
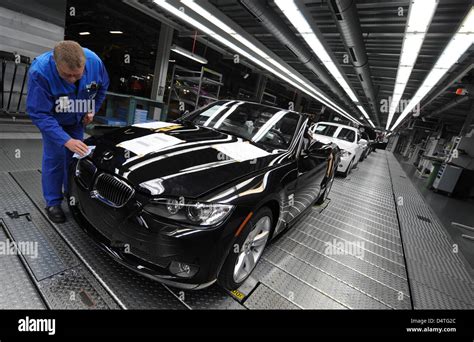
151 247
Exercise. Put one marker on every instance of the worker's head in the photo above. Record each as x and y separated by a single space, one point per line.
70 60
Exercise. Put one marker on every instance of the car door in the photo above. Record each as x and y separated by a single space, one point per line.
311 171
359 148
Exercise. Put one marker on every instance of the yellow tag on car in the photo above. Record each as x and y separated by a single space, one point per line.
169 128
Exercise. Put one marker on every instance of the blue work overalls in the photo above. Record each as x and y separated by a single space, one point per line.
48 105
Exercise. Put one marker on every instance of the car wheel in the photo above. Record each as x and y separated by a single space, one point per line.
349 169
247 250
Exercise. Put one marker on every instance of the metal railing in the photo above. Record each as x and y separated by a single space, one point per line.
14 71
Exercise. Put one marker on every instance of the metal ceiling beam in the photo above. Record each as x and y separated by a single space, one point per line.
456 77
147 8
278 28
469 120
347 20
302 83
455 102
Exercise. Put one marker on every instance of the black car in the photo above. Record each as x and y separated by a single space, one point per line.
195 201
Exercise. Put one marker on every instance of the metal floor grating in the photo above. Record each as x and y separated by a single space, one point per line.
438 276
130 290
22 154
54 259
311 266
361 211
17 291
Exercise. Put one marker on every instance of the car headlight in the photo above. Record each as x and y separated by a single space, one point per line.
190 212
345 153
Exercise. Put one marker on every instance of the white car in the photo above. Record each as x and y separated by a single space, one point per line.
347 138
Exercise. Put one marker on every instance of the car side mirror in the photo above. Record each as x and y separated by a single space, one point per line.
362 142
318 150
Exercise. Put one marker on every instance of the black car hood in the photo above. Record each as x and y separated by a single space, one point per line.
190 169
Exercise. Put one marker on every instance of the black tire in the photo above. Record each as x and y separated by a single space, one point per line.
226 275
349 169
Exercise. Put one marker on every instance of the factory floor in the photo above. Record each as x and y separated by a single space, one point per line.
405 258
448 209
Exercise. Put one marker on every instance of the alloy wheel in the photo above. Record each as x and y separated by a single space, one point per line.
252 249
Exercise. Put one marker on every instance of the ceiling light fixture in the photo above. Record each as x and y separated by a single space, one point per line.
302 85
188 54
298 20
84 33
420 14
457 46
116 32
362 110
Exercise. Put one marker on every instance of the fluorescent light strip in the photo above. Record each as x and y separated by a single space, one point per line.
457 46
84 33
363 111
366 115
305 87
420 14
209 16
212 18
188 54
297 19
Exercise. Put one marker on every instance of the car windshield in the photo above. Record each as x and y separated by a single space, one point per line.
327 130
271 128
347 135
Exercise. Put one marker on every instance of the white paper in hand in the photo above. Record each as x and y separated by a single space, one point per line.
89 150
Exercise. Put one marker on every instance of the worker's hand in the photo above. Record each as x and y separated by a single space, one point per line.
77 146
88 118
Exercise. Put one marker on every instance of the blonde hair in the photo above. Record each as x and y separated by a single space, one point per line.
70 53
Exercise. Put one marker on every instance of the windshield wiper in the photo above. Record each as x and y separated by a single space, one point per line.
182 120
188 122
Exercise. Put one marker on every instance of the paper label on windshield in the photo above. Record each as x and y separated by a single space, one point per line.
150 143
241 151
154 124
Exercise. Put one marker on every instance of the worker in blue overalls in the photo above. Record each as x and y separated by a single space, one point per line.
66 87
